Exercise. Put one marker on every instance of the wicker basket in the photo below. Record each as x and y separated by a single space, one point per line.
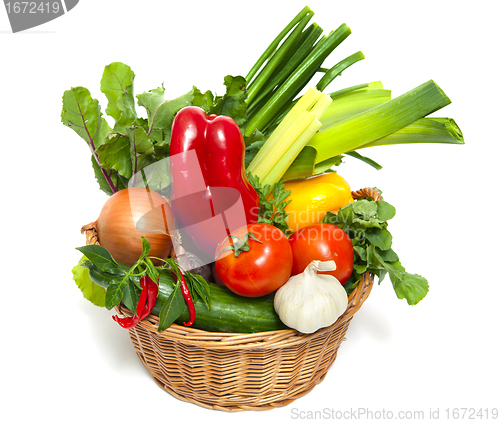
236 372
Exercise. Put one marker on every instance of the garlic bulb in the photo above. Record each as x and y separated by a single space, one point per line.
308 301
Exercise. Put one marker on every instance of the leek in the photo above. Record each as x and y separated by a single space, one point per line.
353 103
379 121
370 85
426 130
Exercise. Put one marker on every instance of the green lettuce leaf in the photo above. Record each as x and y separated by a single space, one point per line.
90 290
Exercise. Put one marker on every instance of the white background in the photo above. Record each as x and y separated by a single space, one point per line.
63 359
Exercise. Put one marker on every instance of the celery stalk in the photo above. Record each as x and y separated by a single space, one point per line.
322 104
279 169
379 121
305 103
298 126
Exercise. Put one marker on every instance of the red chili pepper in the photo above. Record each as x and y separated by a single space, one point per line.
152 289
147 301
220 150
126 322
189 301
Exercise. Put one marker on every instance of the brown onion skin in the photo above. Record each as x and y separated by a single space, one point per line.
116 225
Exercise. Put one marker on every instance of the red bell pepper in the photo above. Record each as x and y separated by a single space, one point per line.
220 150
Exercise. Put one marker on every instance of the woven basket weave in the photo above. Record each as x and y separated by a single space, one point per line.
236 372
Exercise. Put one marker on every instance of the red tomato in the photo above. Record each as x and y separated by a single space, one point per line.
261 270
323 242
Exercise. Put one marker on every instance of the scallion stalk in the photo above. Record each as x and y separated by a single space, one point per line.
297 79
259 82
274 45
288 65
336 70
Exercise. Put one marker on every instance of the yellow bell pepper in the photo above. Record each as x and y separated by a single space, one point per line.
313 197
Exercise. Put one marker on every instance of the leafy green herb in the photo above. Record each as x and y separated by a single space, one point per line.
272 211
197 285
90 290
172 308
132 144
124 281
365 221
131 294
102 259
233 103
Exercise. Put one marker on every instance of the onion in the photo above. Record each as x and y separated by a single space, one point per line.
127 216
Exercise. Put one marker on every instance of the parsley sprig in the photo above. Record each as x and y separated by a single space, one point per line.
272 208
366 223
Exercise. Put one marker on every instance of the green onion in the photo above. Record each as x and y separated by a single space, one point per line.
337 70
272 47
302 74
288 65
277 58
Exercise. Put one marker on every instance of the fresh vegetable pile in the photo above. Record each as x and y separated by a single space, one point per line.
224 212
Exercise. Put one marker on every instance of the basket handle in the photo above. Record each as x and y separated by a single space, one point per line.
372 193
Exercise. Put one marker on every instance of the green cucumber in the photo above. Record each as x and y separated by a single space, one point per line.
229 312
